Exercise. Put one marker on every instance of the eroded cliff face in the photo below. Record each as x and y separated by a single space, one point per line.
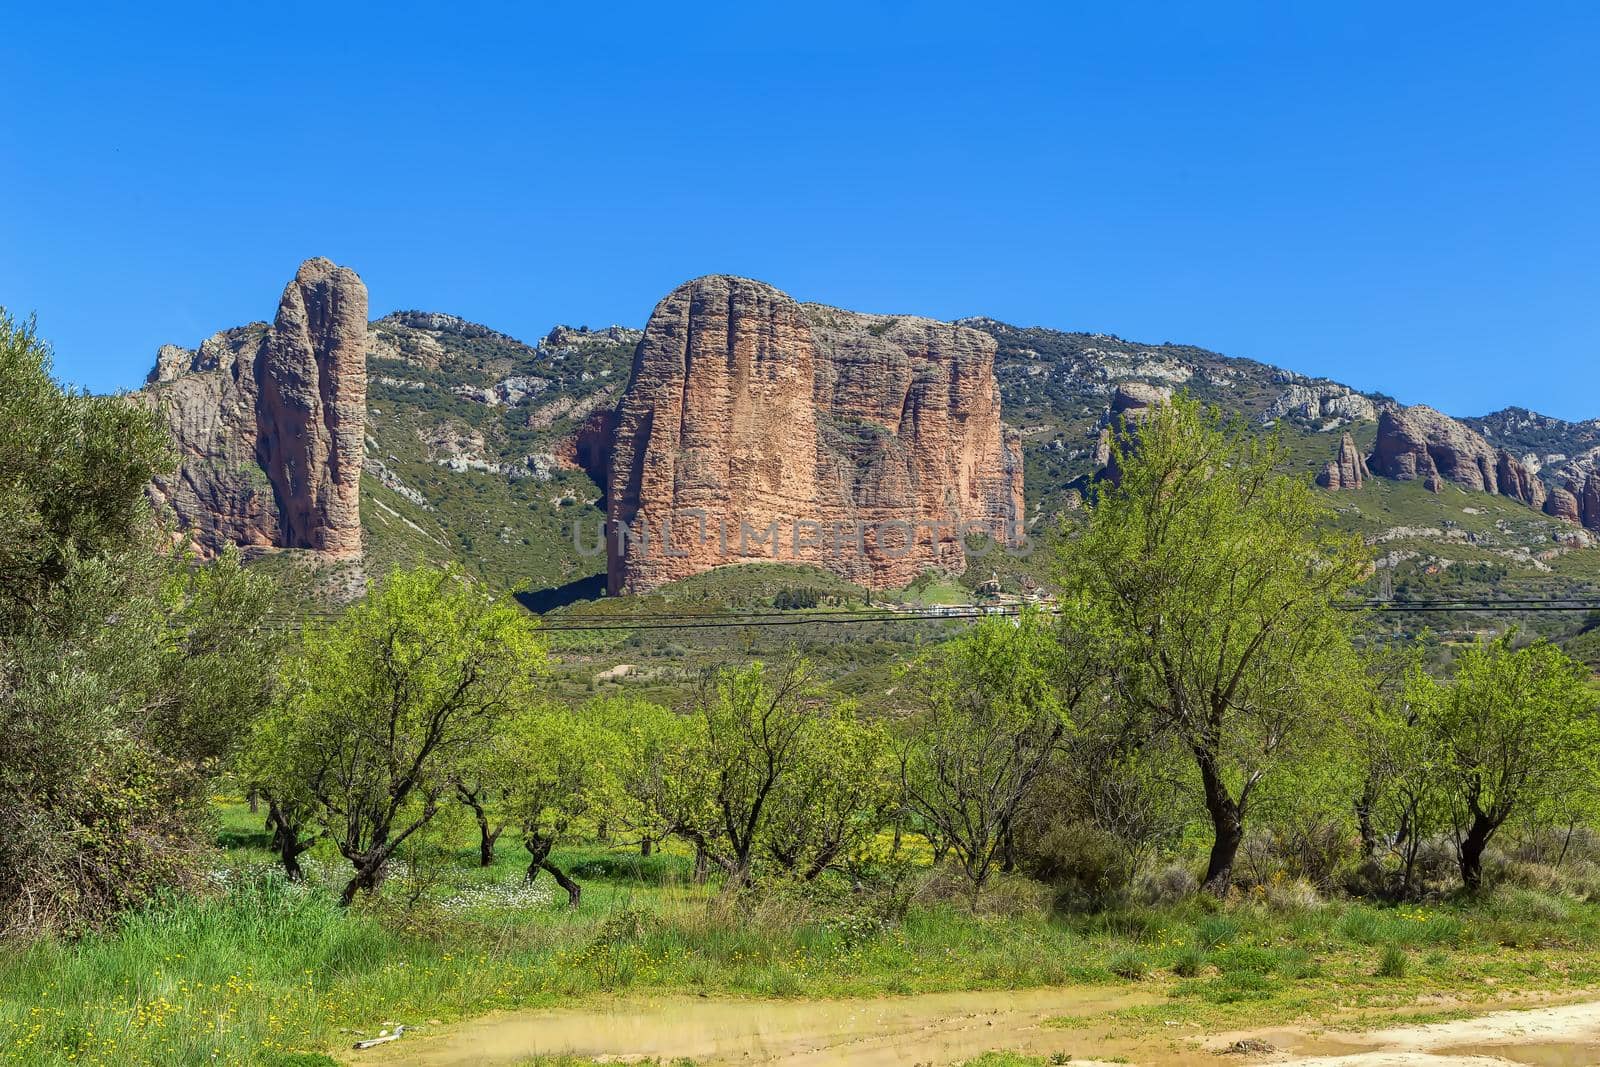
1419 442
757 429
1347 469
268 423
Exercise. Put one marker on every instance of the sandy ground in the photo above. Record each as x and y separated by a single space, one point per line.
948 1028
1565 1036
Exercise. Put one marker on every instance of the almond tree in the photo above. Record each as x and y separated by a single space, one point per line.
1515 733
555 767
1000 699
1210 584
390 701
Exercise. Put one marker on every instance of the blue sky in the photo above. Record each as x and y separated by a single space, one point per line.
1405 197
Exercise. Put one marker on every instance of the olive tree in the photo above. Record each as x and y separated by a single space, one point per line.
1513 732
1209 584
389 702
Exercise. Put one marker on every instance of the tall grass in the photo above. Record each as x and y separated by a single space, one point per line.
264 972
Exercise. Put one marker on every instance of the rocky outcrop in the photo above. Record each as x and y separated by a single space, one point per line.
1589 503
754 429
1562 503
1421 443
1131 403
268 423
1347 469
1320 401
1518 480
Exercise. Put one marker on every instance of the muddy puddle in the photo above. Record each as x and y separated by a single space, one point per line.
949 1028
936 1028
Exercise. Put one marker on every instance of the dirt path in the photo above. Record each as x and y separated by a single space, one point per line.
947 1028
880 1032
1565 1036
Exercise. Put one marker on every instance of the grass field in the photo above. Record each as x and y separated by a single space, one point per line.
258 971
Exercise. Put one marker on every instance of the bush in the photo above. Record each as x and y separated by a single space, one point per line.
1084 864
1290 895
1167 885
1189 964
1130 965
1246 959
1214 931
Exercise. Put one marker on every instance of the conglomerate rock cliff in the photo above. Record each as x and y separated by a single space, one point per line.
268 423
1421 443
754 428
1347 469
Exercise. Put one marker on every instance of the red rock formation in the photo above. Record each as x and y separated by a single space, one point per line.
1347 469
1517 481
1589 502
1419 442
755 429
1562 503
588 448
269 423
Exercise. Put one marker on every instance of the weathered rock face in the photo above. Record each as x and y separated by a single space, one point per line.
1315 401
1347 469
1421 443
269 423
755 429
1589 503
1517 481
1562 504
1131 403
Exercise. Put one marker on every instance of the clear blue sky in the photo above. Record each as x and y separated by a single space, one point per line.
1403 196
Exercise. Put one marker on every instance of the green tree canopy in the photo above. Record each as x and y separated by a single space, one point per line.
388 703
1208 584
999 700
1514 733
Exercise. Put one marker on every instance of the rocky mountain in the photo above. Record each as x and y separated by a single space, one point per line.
482 449
753 428
269 423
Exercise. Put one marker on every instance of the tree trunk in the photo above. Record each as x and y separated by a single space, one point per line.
645 845
486 839
1369 835
286 842
539 850
1227 827
701 869
574 890
1471 853
255 802
365 881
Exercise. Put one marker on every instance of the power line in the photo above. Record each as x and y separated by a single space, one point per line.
757 619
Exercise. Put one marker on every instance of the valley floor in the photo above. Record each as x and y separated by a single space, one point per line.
1078 1025
483 968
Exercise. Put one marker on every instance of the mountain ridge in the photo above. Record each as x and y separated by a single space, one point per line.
490 451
